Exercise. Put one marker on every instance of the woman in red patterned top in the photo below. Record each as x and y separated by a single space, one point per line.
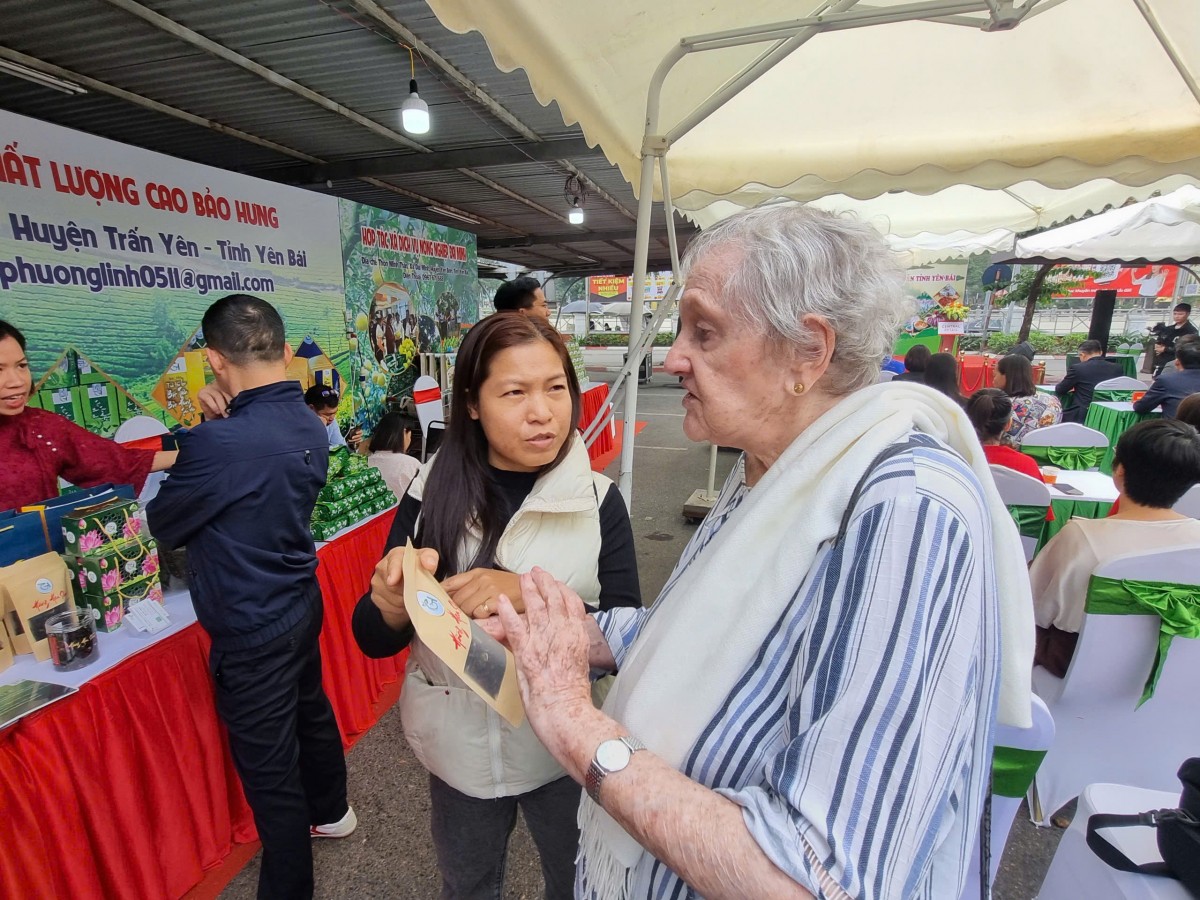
38 446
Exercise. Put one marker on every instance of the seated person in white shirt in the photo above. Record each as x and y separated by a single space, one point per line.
324 400
1154 465
389 452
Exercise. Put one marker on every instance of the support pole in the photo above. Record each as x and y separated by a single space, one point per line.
641 254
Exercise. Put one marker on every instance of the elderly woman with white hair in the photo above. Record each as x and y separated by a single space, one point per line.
807 709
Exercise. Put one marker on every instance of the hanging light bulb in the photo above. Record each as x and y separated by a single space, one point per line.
574 193
414 112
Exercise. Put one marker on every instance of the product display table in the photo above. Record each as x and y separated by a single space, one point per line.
1113 418
126 788
594 400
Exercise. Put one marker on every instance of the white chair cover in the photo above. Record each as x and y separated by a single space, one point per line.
1077 872
1121 383
1066 434
135 429
1039 736
1189 503
1102 734
1018 489
430 413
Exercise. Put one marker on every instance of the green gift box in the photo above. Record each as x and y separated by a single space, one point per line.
85 373
99 402
97 529
63 375
63 401
109 608
120 563
340 488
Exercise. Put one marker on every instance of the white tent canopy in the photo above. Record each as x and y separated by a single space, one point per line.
988 93
1081 89
963 215
1163 229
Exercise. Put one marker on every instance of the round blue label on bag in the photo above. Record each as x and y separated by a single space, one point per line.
430 603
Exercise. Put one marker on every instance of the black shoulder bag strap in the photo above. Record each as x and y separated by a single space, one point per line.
1114 857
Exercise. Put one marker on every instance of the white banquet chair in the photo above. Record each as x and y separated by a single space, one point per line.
1038 736
1121 383
1076 872
135 429
1189 503
1019 489
1065 434
1101 733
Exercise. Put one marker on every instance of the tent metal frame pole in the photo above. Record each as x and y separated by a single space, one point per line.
1002 15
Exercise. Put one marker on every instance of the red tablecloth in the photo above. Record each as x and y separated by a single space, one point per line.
127 789
594 400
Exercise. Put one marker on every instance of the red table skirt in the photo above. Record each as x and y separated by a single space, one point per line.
127 788
594 400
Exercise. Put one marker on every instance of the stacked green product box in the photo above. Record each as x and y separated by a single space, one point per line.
112 559
353 492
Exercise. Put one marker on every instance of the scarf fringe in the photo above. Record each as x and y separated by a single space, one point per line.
603 875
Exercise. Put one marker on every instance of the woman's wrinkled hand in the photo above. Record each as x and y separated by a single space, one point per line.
477 591
550 643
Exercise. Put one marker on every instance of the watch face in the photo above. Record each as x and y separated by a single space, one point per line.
612 755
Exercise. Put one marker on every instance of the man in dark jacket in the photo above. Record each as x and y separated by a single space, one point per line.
1082 379
1166 336
241 498
1173 385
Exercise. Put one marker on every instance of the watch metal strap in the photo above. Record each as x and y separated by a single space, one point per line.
596 773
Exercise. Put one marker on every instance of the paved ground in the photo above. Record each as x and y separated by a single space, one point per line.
390 855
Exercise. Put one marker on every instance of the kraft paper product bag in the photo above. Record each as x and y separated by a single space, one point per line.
484 664
33 590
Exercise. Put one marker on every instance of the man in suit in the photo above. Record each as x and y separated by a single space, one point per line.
1172 386
1082 379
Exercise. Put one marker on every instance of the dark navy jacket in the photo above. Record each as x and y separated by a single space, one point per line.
241 496
1168 389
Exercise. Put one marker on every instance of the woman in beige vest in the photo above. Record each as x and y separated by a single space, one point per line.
511 488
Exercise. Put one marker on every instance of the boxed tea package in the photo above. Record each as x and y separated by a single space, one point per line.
100 410
109 606
32 591
63 401
88 530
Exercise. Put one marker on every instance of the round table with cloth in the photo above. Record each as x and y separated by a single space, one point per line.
1097 498
1107 395
1113 418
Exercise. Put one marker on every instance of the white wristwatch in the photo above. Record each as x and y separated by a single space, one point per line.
611 756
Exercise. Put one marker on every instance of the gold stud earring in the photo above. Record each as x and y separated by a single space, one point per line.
798 388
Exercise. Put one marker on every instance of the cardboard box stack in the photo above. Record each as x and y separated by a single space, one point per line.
112 559
77 390
353 491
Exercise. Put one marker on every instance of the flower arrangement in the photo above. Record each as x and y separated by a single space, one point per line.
955 312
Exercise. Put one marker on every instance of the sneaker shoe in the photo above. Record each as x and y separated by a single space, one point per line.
343 827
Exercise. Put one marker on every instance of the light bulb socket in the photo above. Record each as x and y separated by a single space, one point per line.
412 85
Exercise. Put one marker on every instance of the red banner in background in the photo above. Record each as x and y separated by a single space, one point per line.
608 288
1127 281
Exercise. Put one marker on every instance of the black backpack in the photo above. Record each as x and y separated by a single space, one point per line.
1178 834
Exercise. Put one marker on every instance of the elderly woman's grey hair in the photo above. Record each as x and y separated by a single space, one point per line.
796 261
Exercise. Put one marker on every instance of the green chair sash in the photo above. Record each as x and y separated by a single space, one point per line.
1176 605
1073 458
1111 394
1030 519
1013 770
